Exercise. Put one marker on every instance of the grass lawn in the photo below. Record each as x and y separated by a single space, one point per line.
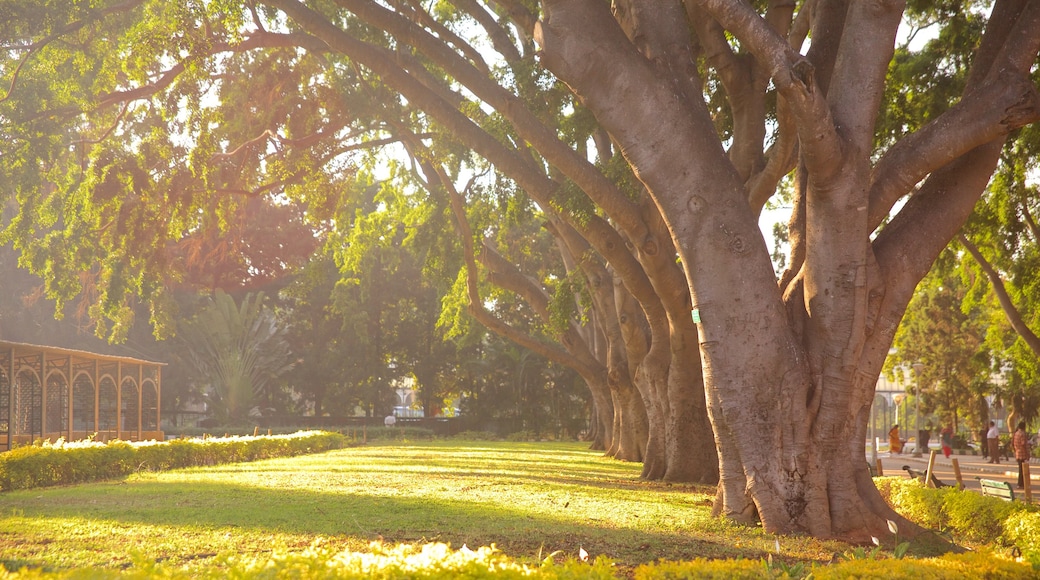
528 499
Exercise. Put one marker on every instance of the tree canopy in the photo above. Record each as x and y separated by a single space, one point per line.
604 165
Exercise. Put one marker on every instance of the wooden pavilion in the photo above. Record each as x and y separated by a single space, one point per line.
58 392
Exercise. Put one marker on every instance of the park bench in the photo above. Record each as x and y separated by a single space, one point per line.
1001 489
920 475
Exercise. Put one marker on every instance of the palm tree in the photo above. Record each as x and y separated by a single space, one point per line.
237 350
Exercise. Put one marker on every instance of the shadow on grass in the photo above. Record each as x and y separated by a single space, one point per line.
237 508
566 498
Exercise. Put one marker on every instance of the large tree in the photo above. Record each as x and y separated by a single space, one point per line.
649 135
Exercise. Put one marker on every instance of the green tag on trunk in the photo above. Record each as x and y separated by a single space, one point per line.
696 316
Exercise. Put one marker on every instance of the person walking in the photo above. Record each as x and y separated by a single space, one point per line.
1020 441
947 440
895 444
993 441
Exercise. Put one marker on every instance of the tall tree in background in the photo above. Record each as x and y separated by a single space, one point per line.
1002 247
945 334
649 135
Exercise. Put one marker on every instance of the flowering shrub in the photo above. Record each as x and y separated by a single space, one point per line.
68 462
439 561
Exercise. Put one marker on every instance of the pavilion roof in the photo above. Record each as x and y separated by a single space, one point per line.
23 349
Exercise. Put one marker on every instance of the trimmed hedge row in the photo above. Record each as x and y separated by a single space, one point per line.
65 463
966 515
438 561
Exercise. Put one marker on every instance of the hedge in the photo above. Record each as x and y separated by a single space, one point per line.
966 515
64 463
439 561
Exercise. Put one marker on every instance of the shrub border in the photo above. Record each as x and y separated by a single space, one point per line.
46 464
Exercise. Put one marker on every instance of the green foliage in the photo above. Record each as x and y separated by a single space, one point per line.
237 350
945 334
399 433
702 568
522 392
954 566
476 436
64 463
563 308
439 561
382 561
1022 529
967 516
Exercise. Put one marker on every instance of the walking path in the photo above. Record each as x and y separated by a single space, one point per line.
971 467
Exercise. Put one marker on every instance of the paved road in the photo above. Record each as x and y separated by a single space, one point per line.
971 466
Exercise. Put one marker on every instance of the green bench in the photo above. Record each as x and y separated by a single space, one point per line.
1001 489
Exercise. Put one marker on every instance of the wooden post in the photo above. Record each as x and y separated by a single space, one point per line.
957 472
97 395
43 396
12 417
880 469
119 400
1026 481
140 402
158 398
69 393
931 464
268 432
256 430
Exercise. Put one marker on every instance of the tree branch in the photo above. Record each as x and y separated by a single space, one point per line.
576 355
585 175
35 47
500 38
990 112
1007 305
794 78
1027 216
446 35
857 86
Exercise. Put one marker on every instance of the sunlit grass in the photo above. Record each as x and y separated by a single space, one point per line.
527 499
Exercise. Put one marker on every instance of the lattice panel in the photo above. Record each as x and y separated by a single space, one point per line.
83 404
28 405
129 400
149 407
5 402
107 405
57 403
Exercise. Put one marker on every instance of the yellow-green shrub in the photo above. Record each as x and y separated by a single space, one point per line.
1022 529
701 568
971 566
439 561
977 518
915 502
967 515
65 463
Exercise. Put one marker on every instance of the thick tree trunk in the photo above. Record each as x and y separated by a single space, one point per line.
691 453
762 397
631 424
787 375
650 372
602 419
